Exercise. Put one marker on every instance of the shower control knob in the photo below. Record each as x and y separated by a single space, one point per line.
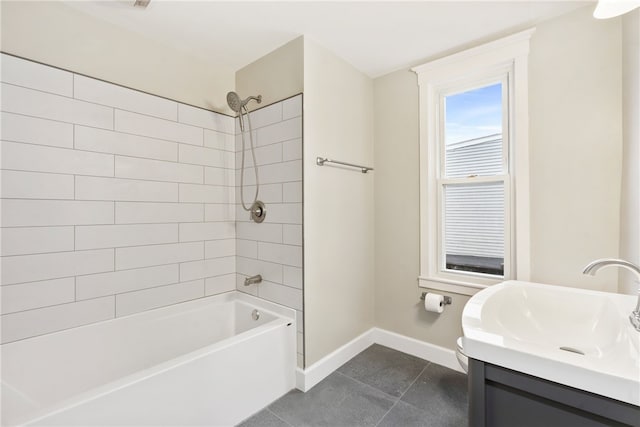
258 211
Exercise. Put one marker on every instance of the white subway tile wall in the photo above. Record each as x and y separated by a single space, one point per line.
36 131
274 247
114 201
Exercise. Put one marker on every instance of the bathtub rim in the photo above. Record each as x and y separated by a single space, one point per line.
234 295
284 317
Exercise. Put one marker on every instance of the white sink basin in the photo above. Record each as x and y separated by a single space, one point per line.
575 337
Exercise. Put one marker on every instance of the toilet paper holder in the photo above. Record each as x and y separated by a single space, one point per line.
447 300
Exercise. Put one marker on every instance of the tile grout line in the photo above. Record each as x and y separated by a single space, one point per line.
60 304
405 392
93 126
416 379
366 385
108 105
113 176
117 270
386 413
276 415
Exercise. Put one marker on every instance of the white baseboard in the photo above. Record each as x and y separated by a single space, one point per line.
424 350
307 378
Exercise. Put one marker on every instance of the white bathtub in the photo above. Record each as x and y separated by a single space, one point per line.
203 362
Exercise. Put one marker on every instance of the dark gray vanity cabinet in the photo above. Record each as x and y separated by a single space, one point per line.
500 397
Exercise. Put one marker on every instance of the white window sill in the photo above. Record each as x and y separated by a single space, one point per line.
446 285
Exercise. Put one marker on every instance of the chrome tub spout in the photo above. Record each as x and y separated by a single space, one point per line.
253 280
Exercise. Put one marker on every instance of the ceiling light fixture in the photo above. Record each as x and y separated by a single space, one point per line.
142 3
612 8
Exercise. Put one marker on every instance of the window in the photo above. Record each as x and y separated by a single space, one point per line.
472 177
474 196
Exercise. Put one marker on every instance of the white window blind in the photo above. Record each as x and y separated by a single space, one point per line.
474 214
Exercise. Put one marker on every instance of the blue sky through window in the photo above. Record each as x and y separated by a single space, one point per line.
473 114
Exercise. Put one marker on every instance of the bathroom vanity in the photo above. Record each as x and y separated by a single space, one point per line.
543 355
500 397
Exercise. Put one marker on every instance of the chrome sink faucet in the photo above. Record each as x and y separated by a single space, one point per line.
596 265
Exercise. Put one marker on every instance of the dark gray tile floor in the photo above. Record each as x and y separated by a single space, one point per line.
378 387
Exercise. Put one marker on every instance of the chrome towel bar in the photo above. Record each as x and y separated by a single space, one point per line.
320 161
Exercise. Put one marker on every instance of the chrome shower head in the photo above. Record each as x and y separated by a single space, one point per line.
234 101
236 104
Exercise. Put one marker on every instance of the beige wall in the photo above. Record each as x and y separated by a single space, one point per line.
575 137
59 35
630 203
338 203
397 304
275 76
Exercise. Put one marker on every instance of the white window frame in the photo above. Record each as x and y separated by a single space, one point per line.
504 58
503 75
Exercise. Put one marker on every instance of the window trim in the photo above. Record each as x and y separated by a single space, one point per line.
487 61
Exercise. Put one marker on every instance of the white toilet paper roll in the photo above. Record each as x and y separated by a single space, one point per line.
434 303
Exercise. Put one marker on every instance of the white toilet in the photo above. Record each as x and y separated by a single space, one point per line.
462 358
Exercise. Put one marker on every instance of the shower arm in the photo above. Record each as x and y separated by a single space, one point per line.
258 99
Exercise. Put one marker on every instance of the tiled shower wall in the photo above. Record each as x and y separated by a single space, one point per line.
274 247
116 201
113 201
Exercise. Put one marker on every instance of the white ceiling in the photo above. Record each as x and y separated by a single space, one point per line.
376 37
